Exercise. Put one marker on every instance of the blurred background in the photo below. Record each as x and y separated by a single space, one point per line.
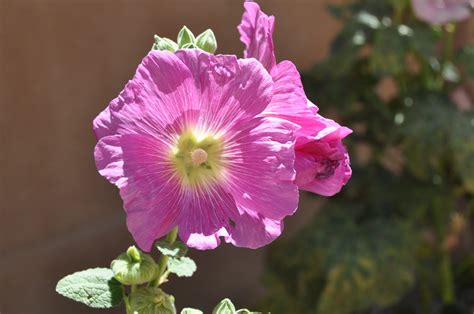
397 240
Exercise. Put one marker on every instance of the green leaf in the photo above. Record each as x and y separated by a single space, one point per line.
426 131
390 48
94 287
177 249
465 58
368 19
424 41
224 307
185 36
182 266
462 139
340 265
450 73
336 10
188 310
151 300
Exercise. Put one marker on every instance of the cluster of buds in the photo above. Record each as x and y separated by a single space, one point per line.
186 40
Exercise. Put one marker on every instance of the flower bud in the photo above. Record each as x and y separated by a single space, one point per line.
152 300
134 267
225 306
189 46
185 36
207 41
164 44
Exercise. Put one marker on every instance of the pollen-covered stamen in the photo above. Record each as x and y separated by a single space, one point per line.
198 156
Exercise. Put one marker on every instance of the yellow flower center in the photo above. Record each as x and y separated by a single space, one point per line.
197 159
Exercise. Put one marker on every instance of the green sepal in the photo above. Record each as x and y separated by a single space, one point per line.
163 43
95 287
134 267
189 46
207 41
152 300
185 36
182 266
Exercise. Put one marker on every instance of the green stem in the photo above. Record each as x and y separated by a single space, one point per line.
449 32
446 276
128 308
444 266
163 262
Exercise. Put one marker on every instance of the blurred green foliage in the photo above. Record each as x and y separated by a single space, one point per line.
392 241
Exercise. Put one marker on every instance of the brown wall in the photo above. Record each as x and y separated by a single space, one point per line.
61 62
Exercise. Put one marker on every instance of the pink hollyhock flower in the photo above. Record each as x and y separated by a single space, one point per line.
322 162
442 11
187 144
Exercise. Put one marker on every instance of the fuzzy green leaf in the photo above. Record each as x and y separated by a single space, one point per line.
94 287
189 310
177 249
182 266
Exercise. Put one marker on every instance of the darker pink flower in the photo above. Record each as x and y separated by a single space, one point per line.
322 163
442 11
188 145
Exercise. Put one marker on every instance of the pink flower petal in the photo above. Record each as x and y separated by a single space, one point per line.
261 170
231 90
256 31
253 230
162 84
308 173
289 101
147 186
442 11
205 210
102 124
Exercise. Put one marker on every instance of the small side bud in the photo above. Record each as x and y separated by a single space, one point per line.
185 36
207 41
134 267
164 44
134 254
152 300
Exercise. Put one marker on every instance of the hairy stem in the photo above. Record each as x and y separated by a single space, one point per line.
163 262
128 308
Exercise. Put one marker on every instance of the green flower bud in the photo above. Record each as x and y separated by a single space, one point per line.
189 46
224 307
207 41
152 300
164 44
134 267
185 36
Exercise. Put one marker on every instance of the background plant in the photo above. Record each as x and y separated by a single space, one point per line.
392 242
